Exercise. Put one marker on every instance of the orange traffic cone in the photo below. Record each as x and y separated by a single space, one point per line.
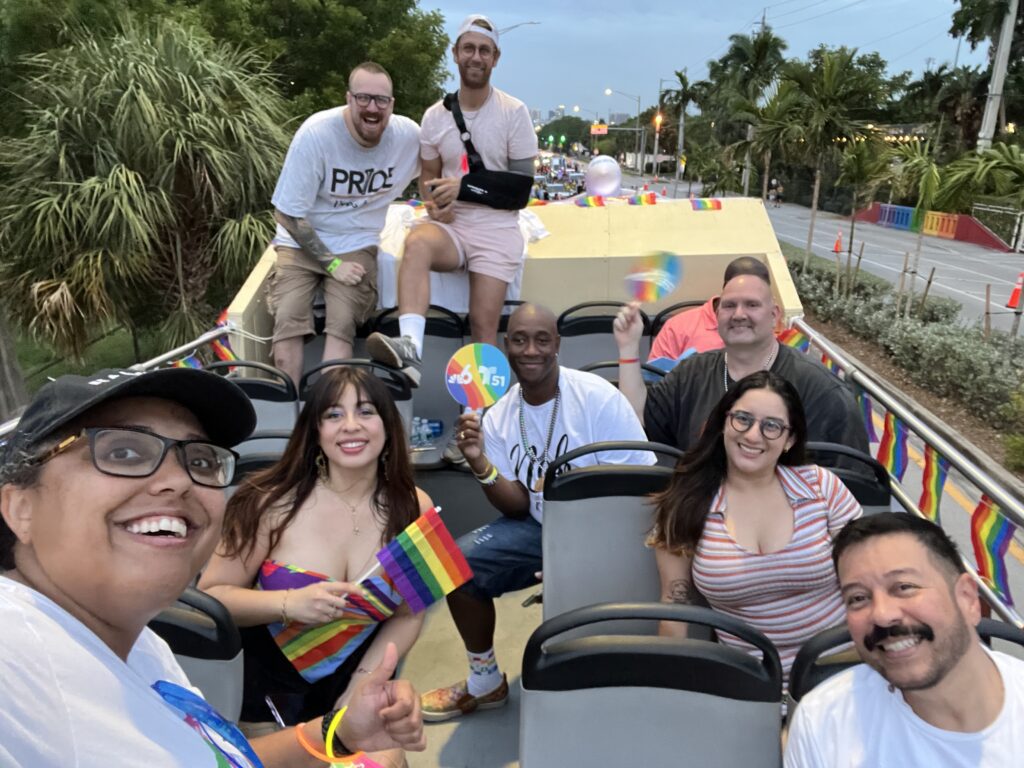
1015 294
645 187
664 191
838 247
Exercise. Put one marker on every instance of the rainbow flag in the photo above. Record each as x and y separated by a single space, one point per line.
991 534
791 337
706 203
590 201
645 198
222 349
869 421
188 362
424 562
831 364
534 201
414 203
892 450
935 470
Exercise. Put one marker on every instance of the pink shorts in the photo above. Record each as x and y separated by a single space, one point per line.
493 251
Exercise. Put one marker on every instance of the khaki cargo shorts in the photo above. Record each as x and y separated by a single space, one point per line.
293 288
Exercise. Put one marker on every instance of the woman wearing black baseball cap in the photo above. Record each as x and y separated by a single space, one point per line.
100 531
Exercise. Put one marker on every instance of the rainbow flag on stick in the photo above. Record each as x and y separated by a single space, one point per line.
991 534
935 470
791 337
706 203
892 451
424 562
831 364
869 421
590 201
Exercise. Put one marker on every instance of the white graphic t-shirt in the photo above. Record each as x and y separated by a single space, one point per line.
341 187
592 410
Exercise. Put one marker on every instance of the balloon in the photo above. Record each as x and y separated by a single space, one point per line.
604 177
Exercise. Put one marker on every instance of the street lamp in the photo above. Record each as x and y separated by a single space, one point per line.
609 92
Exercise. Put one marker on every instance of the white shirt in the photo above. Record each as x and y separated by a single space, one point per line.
853 721
66 700
592 410
341 187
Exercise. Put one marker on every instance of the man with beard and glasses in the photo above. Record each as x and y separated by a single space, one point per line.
551 411
674 409
458 235
930 693
344 167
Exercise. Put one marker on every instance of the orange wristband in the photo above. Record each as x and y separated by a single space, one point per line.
625 360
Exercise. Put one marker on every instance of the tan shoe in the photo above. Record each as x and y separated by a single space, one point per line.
443 704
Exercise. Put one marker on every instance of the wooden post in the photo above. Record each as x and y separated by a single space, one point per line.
849 261
988 310
1017 310
856 269
903 276
924 296
839 272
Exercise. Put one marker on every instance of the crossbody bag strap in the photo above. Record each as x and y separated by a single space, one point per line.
451 103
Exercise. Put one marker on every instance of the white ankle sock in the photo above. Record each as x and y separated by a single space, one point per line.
413 326
484 675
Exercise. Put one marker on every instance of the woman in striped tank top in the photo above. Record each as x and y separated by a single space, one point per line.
300 538
747 524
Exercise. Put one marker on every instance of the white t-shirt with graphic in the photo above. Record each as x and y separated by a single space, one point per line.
853 720
501 130
592 410
341 187
67 700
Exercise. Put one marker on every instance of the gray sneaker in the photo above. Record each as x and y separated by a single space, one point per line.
397 353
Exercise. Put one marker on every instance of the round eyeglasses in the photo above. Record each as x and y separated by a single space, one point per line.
134 452
772 429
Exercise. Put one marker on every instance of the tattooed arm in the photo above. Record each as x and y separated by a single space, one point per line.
676 587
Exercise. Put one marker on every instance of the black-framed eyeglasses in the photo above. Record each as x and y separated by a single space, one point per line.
134 452
772 429
364 99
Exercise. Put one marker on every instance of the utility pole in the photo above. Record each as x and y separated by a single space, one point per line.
995 88
682 135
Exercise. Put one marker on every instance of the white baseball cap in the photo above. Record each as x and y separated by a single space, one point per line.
469 24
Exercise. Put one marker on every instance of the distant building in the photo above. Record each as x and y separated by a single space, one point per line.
553 114
535 115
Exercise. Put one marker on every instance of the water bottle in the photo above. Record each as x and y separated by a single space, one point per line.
415 436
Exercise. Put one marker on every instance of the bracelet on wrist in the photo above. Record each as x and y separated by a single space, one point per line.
627 360
329 728
334 264
490 478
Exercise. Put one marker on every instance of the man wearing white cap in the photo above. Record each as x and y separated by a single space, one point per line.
483 240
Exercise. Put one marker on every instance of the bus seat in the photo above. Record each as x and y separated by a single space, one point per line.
595 522
586 331
637 700
669 312
865 477
206 643
609 370
397 383
444 335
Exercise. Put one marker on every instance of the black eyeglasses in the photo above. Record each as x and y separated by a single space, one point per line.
364 99
772 429
133 452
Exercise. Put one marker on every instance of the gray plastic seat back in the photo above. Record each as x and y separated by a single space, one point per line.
586 333
615 700
398 383
863 475
595 522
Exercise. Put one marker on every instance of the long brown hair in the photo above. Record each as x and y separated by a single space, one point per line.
293 477
682 508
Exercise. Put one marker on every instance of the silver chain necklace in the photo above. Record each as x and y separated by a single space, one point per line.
725 365
542 461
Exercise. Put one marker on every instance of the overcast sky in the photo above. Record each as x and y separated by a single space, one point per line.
579 48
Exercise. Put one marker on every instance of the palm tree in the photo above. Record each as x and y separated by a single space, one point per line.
998 171
822 121
961 100
863 166
920 173
142 183
770 126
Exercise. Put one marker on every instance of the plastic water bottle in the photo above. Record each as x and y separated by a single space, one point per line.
415 432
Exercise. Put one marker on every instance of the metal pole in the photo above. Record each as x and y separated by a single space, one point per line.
639 160
995 88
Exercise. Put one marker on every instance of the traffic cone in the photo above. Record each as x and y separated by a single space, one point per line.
1015 294
645 187
838 247
664 191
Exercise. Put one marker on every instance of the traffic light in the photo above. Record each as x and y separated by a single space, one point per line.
561 140
551 138
657 122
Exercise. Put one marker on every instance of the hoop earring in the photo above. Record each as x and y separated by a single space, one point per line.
321 467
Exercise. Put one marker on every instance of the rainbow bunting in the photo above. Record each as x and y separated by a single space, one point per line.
831 364
590 201
794 338
868 412
645 198
892 450
706 203
424 562
935 470
188 362
222 349
991 534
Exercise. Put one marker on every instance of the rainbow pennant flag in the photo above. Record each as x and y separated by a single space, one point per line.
831 364
222 349
791 337
892 451
991 534
188 362
645 198
534 201
935 470
590 201
706 203
424 562
868 412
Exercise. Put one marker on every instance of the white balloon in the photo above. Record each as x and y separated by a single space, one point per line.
604 177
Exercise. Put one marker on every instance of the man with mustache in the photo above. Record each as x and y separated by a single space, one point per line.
344 167
929 694
674 410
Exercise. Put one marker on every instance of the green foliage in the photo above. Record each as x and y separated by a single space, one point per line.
998 171
570 126
143 179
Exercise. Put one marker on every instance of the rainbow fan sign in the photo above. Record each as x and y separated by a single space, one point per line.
477 375
424 562
654 276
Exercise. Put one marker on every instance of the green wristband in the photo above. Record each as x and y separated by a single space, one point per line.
335 263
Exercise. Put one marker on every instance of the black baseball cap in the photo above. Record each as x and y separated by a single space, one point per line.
220 406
